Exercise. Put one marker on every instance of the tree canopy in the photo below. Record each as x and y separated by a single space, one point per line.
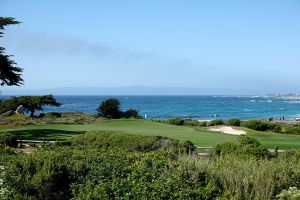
10 74
110 108
30 103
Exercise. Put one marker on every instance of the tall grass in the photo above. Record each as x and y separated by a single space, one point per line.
248 177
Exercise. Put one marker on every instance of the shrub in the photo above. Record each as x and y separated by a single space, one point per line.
262 126
234 122
224 148
176 121
53 115
292 129
202 124
110 108
246 140
216 122
190 122
8 139
291 194
131 113
257 151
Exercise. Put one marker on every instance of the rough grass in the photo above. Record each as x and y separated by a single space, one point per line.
198 135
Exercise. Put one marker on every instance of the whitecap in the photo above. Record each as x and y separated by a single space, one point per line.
292 102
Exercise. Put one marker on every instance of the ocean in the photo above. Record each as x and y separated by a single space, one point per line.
195 107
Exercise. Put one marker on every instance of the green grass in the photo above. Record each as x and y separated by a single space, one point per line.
199 136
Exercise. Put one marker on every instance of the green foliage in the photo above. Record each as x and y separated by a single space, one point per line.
110 109
202 124
262 126
224 148
216 122
105 166
248 146
292 129
233 122
246 140
8 139
53 115
9 73
30 103
175 121
291 194
113 166
131 113
247 177
190 122
186 122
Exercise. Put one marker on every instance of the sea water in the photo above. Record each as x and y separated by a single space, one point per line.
195 107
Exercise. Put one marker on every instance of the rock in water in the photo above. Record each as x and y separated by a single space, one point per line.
20 109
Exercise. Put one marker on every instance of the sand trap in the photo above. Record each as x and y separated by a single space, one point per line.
228 130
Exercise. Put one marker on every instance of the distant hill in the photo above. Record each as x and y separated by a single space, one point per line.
137 90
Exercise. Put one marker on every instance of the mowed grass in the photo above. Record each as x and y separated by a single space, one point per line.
199 136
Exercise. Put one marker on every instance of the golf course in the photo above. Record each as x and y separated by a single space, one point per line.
200 136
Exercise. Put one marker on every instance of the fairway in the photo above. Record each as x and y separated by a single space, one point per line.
199 136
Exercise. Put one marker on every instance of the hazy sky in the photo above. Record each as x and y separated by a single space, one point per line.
206 44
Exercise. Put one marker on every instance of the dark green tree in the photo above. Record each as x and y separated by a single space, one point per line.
30 103
110 108
10 74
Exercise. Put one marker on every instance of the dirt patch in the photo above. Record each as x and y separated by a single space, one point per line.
27 149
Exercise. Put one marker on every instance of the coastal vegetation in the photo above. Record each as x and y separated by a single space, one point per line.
110 109
110 165
10 74
30 104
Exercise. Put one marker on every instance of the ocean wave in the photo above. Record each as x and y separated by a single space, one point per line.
247 110
292 102
252 100
267 101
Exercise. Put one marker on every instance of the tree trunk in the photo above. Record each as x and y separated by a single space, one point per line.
31 113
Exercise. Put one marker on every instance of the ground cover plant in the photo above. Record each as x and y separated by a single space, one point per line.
107 165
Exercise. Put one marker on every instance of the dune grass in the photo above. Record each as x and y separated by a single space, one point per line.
199 136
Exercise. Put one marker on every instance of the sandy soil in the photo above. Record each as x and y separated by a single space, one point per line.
228 130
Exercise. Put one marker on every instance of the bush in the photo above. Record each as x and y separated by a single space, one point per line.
131 113
216 122
176 121
224 148
190 122
53 115
262 126
233 122
110 108
202 124
248 146
245 140
291 194
292 129
8 139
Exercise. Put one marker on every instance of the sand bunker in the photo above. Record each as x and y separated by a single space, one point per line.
228 130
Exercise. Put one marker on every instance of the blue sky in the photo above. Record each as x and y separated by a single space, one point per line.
206 44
